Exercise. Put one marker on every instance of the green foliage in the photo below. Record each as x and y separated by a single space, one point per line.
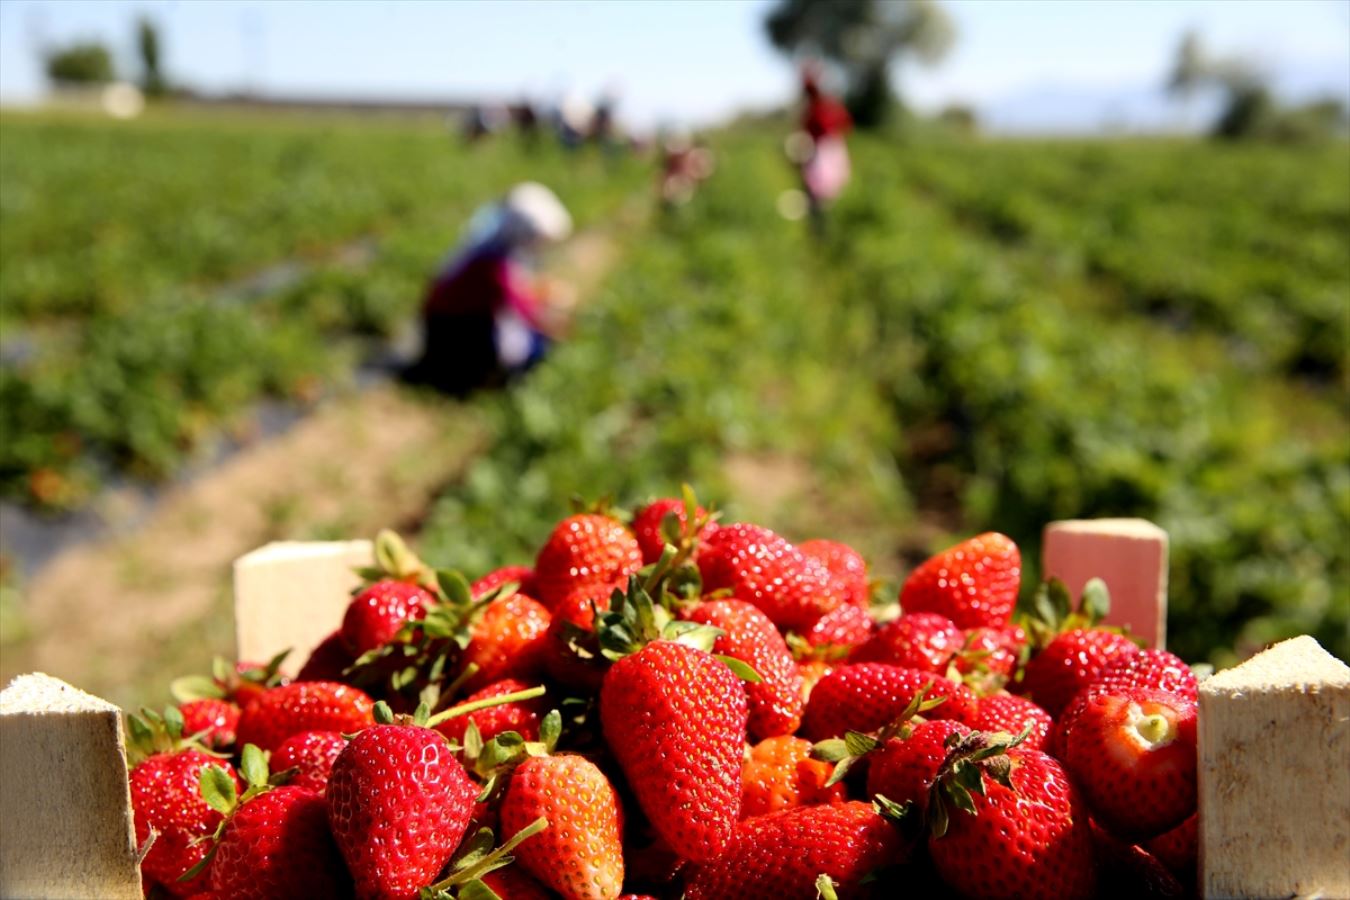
85 62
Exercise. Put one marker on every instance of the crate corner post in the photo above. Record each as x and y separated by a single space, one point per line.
66 826
1130 555
292 594
1274 775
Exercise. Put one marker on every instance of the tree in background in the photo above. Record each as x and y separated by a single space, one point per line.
148 46
84 62
862 38
1250 109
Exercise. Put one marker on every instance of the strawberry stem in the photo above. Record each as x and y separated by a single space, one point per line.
485 703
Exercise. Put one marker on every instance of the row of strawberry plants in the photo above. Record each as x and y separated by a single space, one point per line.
1044 404
137 387
1246 241
939 366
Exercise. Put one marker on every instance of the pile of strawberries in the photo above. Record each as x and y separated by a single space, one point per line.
666 706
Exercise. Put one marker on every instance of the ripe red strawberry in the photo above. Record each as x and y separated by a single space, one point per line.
166 796
511 883
780 856
1126 872
328 661
276 846
376 614
1133 754
580 853
991 650
844 626
779 772
1178 849
674 718
1071 662
520 716
748 635
974 583
574 622
1010 713
865 696
585 551
1028 841
647 525
1155 669
925 641
244 682
507 640
398 803
902 769
303 706
311 754
523 576
847 568
763 569
215 720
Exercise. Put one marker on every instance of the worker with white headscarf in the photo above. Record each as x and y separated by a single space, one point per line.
483 319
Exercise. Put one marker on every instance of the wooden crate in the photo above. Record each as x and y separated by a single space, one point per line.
1274 735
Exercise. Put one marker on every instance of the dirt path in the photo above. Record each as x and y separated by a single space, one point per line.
120 616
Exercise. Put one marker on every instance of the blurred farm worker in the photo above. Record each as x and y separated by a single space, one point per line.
684 164
484 318
819 149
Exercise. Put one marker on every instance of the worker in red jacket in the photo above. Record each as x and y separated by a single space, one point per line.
483 317
820 149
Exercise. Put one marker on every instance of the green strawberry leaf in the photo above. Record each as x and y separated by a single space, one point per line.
218 789
825 888
831 750
195 687
550 730
476 890
173 722
889 809
455 587
1096 600
253 765
742 669
859 744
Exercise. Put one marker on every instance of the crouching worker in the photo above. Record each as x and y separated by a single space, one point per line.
483 318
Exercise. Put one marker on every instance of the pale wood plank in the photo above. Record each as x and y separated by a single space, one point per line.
1130 555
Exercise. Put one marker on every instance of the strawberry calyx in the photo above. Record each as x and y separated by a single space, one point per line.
395 561
1054 611
970 759
227 679
152 732
804 651
476 858
854 745
220 793
493 761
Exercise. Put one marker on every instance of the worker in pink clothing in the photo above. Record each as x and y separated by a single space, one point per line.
483 319
820 150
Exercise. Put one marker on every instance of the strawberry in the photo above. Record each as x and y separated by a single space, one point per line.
779 772
865 696
924 641
398 804
303 706
329 661
276 846
1178 849
1010 713
1155 669
585 551
580 853
377 613
521 716
847 568
1125 872
572 650
748 635
675 719
311 754
1071 662
902 769
506 640
215 720
974 583
1027 836
994 651
649 521
844 626
1133 754
523 576
780 856
166 796
513 884
763 569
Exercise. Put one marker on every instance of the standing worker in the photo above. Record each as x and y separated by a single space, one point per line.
484 320
819 148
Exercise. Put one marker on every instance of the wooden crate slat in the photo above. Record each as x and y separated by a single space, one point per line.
292 594
1130 555
65 807
1274 735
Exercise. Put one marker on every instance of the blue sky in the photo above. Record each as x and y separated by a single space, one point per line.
1022 62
